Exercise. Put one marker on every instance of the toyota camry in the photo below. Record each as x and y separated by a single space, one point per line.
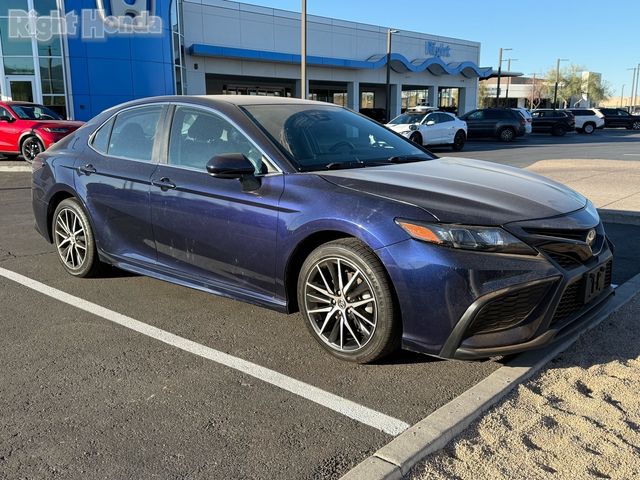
306 206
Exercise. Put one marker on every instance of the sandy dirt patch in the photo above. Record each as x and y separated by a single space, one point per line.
578 419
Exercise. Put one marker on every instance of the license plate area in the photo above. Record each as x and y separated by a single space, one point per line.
594 282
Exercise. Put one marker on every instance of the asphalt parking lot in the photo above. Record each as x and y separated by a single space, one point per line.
84 397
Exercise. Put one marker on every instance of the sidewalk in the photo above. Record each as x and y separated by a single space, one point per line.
609 184
578 419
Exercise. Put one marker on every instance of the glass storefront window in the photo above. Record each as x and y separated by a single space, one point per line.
412 98
367 99
57 103
51 75
44 7
50 48
448 98
7 5
13 46
18 66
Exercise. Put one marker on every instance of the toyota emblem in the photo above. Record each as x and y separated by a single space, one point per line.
591 237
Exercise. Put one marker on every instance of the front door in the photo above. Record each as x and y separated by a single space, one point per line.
209 229
21 88
431 132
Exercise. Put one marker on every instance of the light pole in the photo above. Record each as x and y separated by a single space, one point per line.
635 94
633 83
622 96
303 51
390 32
509 60
533 89
500 73
555 90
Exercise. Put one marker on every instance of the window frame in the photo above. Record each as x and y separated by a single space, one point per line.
168 123
156 152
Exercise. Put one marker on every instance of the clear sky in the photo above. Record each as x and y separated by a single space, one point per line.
603 36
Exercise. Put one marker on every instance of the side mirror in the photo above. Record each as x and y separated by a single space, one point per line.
6 118
230 165
430 123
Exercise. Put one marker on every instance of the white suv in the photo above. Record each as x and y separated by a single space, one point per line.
428 126
587 119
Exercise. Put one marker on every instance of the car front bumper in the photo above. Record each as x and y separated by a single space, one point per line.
462 304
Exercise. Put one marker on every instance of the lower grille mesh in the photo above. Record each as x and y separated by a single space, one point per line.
508 310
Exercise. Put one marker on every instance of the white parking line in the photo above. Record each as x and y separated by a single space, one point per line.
336 403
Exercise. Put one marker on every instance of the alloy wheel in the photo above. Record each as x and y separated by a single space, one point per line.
31 148
588 128
341 304
636 125
506 135
71 240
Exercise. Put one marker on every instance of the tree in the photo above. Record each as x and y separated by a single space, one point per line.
573 86
483 95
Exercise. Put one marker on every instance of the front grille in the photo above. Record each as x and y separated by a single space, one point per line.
579 235
572 300
564 261
508 310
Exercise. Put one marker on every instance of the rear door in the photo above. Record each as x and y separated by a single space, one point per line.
432 131
114 178
208 229
447 126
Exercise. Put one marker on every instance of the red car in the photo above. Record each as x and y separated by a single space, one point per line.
27 128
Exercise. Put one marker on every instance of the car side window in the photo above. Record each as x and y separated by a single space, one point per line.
432 117
134 132
5 113
444 118
623 113
198 135
100 140
477 115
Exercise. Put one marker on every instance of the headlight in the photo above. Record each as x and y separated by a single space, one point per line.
55 130
483 239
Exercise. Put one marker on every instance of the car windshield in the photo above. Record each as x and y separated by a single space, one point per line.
35 112
316 137
407 118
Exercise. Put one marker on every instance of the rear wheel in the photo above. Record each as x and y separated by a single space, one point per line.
416 137
507 134
346 300
74 240
635 125
589 128
559 131
459 140
31 146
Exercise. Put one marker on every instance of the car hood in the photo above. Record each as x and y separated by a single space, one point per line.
459 190
399 127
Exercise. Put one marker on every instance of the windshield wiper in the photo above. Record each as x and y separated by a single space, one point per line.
339 165
407 158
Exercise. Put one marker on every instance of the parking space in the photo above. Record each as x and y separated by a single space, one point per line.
85 396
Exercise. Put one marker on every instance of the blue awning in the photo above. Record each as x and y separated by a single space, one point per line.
399 62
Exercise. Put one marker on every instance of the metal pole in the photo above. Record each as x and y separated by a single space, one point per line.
622 96
303 52
633 83
509 78
533 89
388 103
555 90
635 94
499 73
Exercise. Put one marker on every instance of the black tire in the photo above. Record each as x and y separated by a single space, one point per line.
416 137
635 125
589 128
559 131
384 337
458 141
507 134
31 146
90 265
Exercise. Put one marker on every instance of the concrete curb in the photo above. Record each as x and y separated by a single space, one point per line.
434 432
625 217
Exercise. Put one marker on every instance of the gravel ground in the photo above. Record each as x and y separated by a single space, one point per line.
578 419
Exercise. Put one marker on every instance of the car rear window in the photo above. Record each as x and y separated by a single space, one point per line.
583 113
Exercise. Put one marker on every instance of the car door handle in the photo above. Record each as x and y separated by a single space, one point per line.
164 183
87 169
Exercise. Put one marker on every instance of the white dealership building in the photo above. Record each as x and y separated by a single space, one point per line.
237 48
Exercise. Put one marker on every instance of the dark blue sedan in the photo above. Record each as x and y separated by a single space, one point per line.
299 205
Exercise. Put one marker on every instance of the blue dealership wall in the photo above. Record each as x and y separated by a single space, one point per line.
120 67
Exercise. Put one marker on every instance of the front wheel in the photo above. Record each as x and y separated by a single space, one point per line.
416 138
74 240
31 146
346 300
559 131
507 134
458 141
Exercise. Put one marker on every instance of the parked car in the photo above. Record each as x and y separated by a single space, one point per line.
619 118
587 119
555 122
502 123
27 128
527 117
427 126
377 114
293 204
